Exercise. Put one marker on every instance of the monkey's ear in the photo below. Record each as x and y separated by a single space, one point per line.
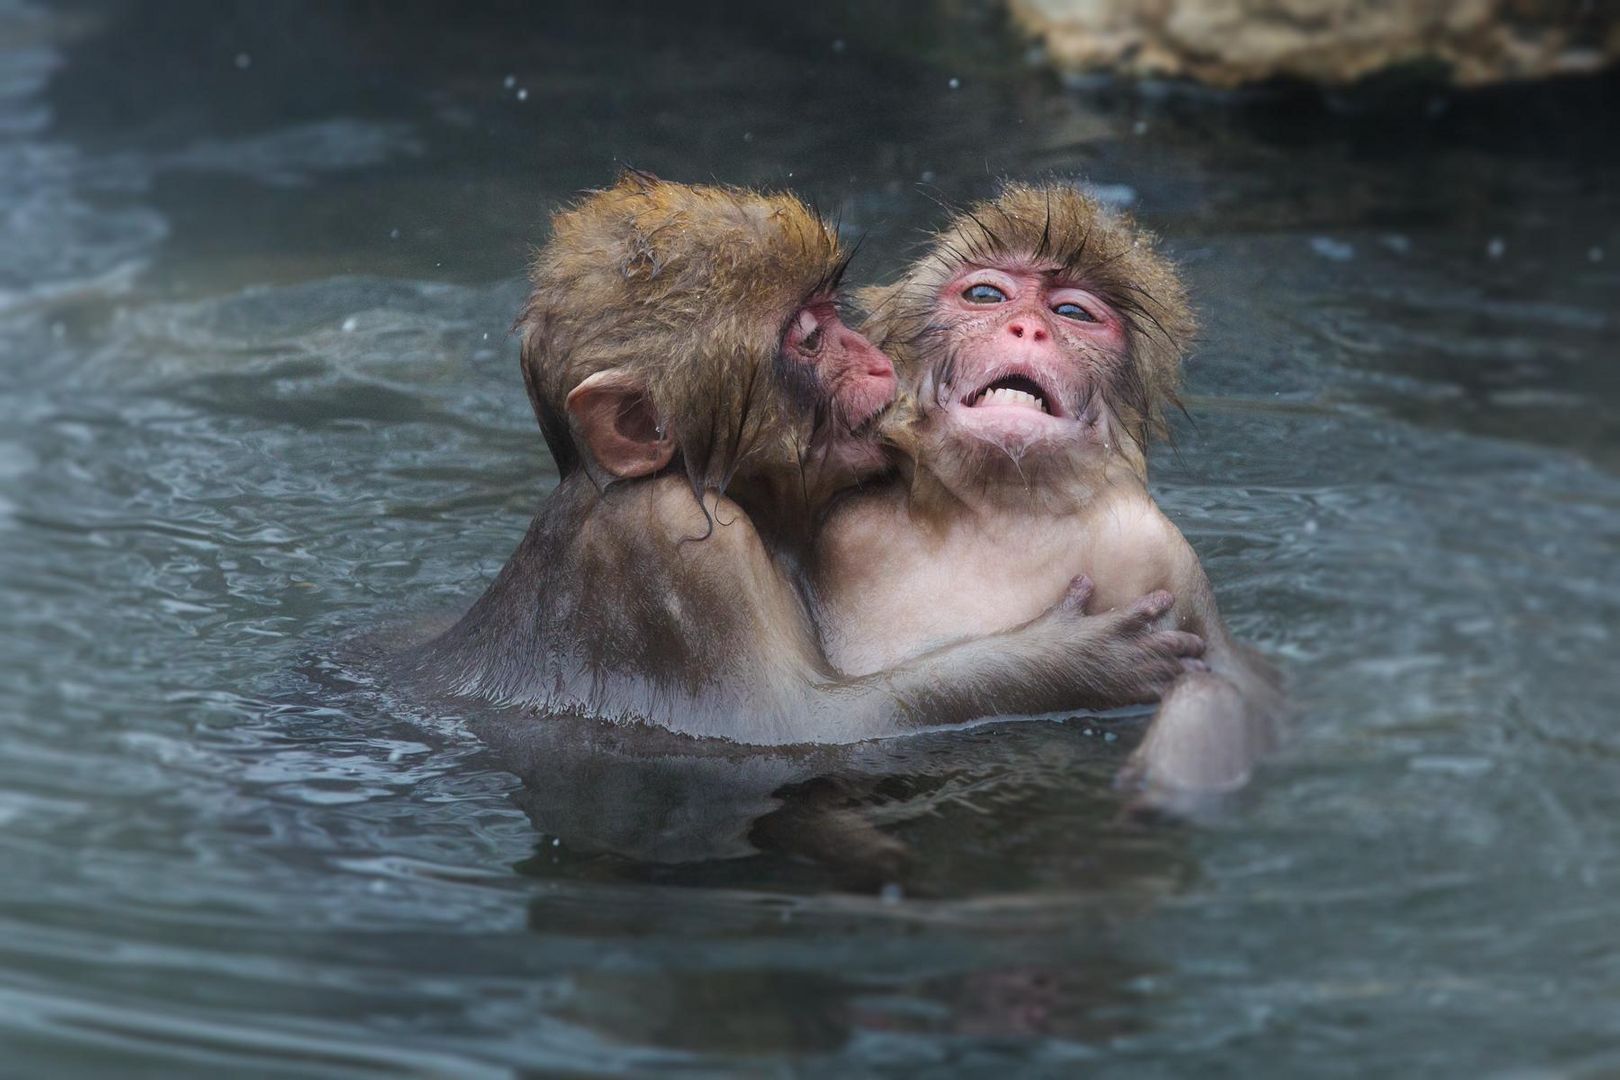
618 424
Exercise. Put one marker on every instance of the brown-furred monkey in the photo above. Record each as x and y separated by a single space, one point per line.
684 354
1042 341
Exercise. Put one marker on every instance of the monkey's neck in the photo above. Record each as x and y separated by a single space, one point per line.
787 505
779 509
942 493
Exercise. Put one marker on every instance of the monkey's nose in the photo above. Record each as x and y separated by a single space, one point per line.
1020 327
874 360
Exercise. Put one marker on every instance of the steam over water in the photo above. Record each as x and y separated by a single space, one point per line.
258 399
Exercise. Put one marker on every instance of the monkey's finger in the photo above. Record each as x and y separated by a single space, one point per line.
1078 592
1150 607
1192 663
1180 643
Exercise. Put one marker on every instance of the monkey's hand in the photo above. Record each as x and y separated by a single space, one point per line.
1121 657
1061 659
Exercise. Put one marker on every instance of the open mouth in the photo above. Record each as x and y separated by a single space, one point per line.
1015 391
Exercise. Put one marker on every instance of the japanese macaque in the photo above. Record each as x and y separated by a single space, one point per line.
1042 342
684 354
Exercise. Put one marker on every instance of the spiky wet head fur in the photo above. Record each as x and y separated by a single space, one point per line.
689 288
1103 252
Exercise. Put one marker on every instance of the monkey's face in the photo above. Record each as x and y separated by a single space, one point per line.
1027 363
840 380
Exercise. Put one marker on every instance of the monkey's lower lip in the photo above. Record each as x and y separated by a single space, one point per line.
1022 411
1023 417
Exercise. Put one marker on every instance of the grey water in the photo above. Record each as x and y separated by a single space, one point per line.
257 399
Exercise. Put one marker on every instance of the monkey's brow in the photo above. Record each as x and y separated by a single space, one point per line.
1062 273
1011 263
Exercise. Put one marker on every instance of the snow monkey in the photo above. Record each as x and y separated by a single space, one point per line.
683 351
1040 342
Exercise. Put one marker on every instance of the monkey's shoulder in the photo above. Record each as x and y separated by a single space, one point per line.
1132 547
664 514
1131 517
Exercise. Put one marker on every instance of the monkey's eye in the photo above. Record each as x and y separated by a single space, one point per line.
983 294
1070 310
807 329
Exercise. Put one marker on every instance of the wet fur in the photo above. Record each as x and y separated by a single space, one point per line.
1106 252
688 287
660 599
1212 725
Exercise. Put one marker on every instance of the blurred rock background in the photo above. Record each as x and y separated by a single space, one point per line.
1235 42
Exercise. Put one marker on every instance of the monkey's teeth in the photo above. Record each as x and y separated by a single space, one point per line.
1006 395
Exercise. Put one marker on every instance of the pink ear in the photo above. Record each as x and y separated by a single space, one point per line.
616 421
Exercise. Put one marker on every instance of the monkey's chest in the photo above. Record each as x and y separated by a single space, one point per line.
921 598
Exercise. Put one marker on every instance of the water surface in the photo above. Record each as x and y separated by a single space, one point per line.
259 398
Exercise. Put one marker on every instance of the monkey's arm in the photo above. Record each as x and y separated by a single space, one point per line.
1213 726
772 683
1064 659
638 604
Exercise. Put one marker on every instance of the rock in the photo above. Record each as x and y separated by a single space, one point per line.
1231 42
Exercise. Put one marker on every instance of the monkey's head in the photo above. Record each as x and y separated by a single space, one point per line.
1037 332
697 325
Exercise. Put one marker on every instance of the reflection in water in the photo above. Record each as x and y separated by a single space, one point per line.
259 264
640 804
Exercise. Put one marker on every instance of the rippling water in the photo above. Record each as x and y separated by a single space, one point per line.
259 400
